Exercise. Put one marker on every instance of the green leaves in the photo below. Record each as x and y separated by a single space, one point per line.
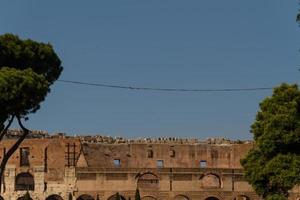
118 197
27 69
137 194
23 54
27 196
273 166
21 91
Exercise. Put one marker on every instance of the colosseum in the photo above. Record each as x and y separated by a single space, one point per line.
61 167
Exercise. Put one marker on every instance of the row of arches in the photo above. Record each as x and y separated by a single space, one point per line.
51 197
113 197
148 180
178 197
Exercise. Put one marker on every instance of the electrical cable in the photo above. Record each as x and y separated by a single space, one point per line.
165 89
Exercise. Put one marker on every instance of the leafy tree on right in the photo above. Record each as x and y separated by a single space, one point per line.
272 167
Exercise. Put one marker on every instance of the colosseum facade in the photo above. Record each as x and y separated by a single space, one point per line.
61 167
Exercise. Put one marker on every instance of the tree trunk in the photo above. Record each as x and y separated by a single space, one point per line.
11 151
4 129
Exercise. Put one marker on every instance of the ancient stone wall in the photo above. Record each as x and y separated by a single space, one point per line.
61 167
45 164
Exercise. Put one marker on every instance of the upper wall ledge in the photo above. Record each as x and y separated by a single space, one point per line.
15 133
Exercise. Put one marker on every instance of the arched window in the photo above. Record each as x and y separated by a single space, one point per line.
22 198
148 198
210 181
241 197
114 197
85 197
181 197
211 198
24 181
148 181
54 197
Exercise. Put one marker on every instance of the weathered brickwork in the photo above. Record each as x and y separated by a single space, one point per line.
61 167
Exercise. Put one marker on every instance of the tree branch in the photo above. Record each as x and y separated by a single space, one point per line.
15 146
4 131
12 150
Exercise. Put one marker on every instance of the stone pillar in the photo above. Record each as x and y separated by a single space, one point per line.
70 181
39 179
9 179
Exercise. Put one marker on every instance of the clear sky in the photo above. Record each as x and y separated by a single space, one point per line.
204 44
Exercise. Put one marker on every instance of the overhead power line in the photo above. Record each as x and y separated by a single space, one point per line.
165 89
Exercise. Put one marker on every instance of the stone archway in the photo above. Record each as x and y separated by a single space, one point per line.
181 197
241 197
85 197
24 181
210 181
148 181
212 198
22 198
54 197
114 197
148 198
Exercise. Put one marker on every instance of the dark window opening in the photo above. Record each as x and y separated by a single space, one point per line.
172 153
24 156
150 153
24 181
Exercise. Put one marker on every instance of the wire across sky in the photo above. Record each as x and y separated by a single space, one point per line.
124 87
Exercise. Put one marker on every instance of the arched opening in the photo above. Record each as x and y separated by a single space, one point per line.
148 181
181 197
24 181
241 197
210 181
211 198
114 197
85 197
54 197
22 198
148 198
1 198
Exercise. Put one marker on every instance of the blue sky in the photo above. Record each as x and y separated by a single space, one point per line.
203 44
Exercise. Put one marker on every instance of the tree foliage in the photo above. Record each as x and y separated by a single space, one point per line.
21 91
33 63
27 196
24 54
27 70
118 197
137 194
272 167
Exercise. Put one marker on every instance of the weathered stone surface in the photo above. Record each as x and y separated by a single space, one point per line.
97 167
